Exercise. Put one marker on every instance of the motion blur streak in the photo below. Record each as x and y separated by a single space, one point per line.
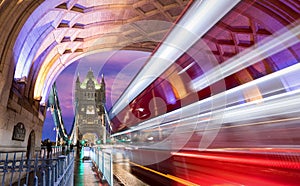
281 104
272 45
179 180
191 27
227 110
260 161
239 166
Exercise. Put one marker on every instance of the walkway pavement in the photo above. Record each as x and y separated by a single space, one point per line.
127 179
85 175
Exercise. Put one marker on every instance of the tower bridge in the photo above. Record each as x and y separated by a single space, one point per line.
90 113
90 98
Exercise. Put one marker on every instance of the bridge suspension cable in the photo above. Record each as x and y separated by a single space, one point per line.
107 120
53 103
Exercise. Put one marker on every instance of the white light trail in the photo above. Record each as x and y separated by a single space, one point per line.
200 17
270 105
272 45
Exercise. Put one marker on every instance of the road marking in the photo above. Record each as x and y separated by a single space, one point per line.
174 178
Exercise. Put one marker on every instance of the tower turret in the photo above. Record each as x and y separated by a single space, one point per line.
102 90
90 97
77 88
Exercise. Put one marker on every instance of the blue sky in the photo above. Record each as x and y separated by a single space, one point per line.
118 67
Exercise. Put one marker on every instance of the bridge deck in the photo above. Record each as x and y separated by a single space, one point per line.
86 174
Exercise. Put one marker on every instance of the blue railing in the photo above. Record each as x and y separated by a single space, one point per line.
18 170
103 160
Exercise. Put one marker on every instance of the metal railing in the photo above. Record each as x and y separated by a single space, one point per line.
103 159
18 170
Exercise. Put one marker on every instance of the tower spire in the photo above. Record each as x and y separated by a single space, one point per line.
78 80
102 78
103 89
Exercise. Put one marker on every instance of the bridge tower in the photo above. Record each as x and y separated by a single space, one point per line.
90 97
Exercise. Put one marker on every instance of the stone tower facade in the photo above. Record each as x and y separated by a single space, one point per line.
90 97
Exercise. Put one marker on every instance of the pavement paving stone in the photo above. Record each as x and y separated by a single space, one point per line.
84 174
125 177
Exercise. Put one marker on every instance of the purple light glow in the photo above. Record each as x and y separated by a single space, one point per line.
118 67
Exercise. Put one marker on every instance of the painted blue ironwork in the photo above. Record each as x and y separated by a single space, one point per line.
18 170
104 163
107 121
53 103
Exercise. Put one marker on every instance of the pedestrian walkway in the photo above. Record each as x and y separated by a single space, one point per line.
84 174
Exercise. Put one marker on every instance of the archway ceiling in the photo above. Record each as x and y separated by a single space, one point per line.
59 32
249 26
68 30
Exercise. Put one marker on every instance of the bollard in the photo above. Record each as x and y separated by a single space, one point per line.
53 175
43 179
61 164
111 170
68 158
49 177
5 169
13 168
103 162
72 175
103 166
97 157
56 171
21 168
35 181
